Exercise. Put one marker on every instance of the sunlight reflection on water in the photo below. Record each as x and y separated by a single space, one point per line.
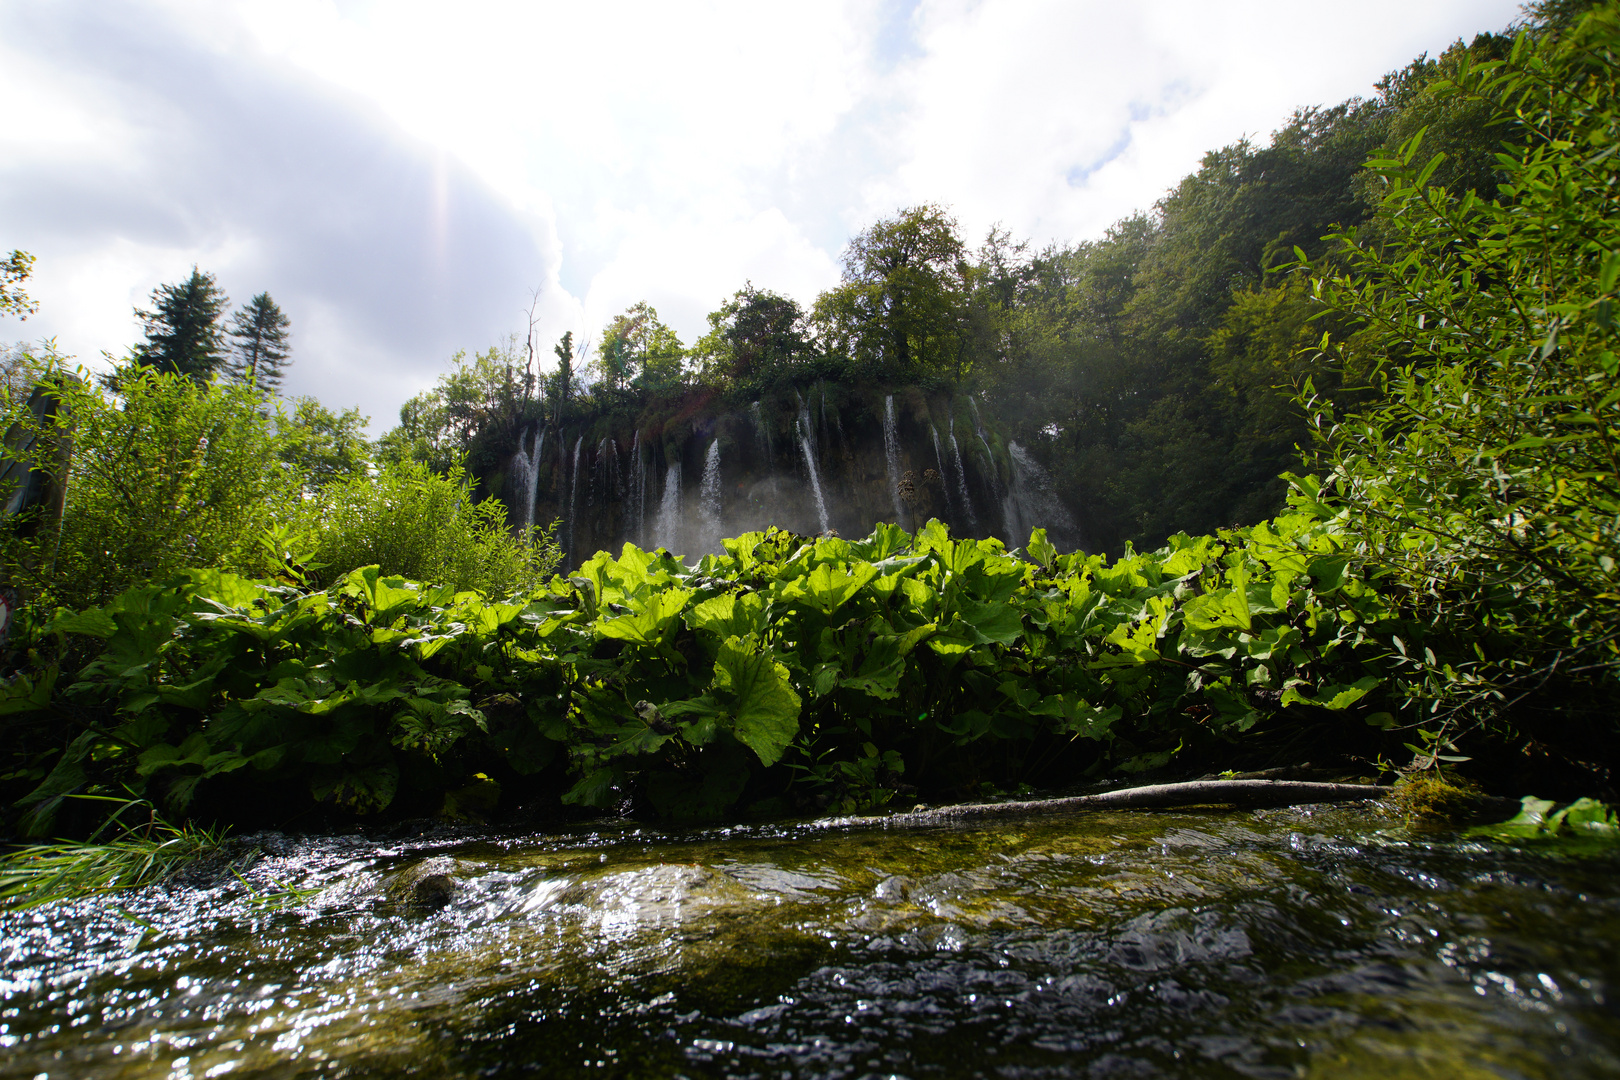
1280 943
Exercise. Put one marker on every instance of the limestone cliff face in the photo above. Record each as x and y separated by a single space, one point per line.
840 458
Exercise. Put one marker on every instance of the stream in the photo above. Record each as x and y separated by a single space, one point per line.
1303 942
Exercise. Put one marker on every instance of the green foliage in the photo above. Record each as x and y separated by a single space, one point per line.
13 272
830 672
640 351
172 474
471 418
1585 824
1484 480
562 381
139 852
321 446
904 291
414 522
754 336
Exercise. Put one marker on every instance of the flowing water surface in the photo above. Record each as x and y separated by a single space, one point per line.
1285 943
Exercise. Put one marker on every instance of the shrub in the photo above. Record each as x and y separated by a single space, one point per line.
413 522
166 474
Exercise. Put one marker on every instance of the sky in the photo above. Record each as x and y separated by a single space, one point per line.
410 179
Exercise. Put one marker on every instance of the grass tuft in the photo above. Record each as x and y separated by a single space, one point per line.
137 854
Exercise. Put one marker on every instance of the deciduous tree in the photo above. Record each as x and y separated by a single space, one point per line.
904 295
13 272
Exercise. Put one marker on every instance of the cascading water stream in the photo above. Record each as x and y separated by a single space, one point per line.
573 500
1306 941
638 492
961 480
944 473
669 510
809 450
1036 504
891 455
764 439
537 447
522 468
709 505
807 431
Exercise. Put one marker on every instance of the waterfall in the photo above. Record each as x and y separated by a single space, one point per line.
1014 531
961 480
809 449
709 507
1036 503
891 455
764 439
995 481
638 492
535 449
1010 524
669 510
573 501
807 431
944 473
522 468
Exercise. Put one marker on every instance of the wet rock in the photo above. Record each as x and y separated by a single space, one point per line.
430 884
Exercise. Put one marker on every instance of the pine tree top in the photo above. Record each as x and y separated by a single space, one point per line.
182 331
258 335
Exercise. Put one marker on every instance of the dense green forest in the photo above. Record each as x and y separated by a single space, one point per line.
1355 387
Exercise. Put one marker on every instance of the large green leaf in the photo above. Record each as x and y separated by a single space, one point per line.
646 626
729 615
829 585
760 698
995 622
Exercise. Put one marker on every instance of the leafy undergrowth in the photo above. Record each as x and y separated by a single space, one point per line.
788 674
1581 826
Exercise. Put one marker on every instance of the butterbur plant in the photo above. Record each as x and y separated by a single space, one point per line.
786 672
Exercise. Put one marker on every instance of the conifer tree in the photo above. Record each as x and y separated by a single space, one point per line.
183 333
259 344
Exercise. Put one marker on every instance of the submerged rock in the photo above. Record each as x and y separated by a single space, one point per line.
430 884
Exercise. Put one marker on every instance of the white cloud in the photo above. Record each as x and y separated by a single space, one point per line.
1058 119
401 175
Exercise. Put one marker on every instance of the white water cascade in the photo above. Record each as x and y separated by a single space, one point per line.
961 480
944 473
536 449
709 505
809 448
891 456
666 530
1036 504
807 430
573 497
525 476
638 493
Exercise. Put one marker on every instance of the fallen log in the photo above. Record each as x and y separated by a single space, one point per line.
1246 793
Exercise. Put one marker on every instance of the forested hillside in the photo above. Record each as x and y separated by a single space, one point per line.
1153 371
